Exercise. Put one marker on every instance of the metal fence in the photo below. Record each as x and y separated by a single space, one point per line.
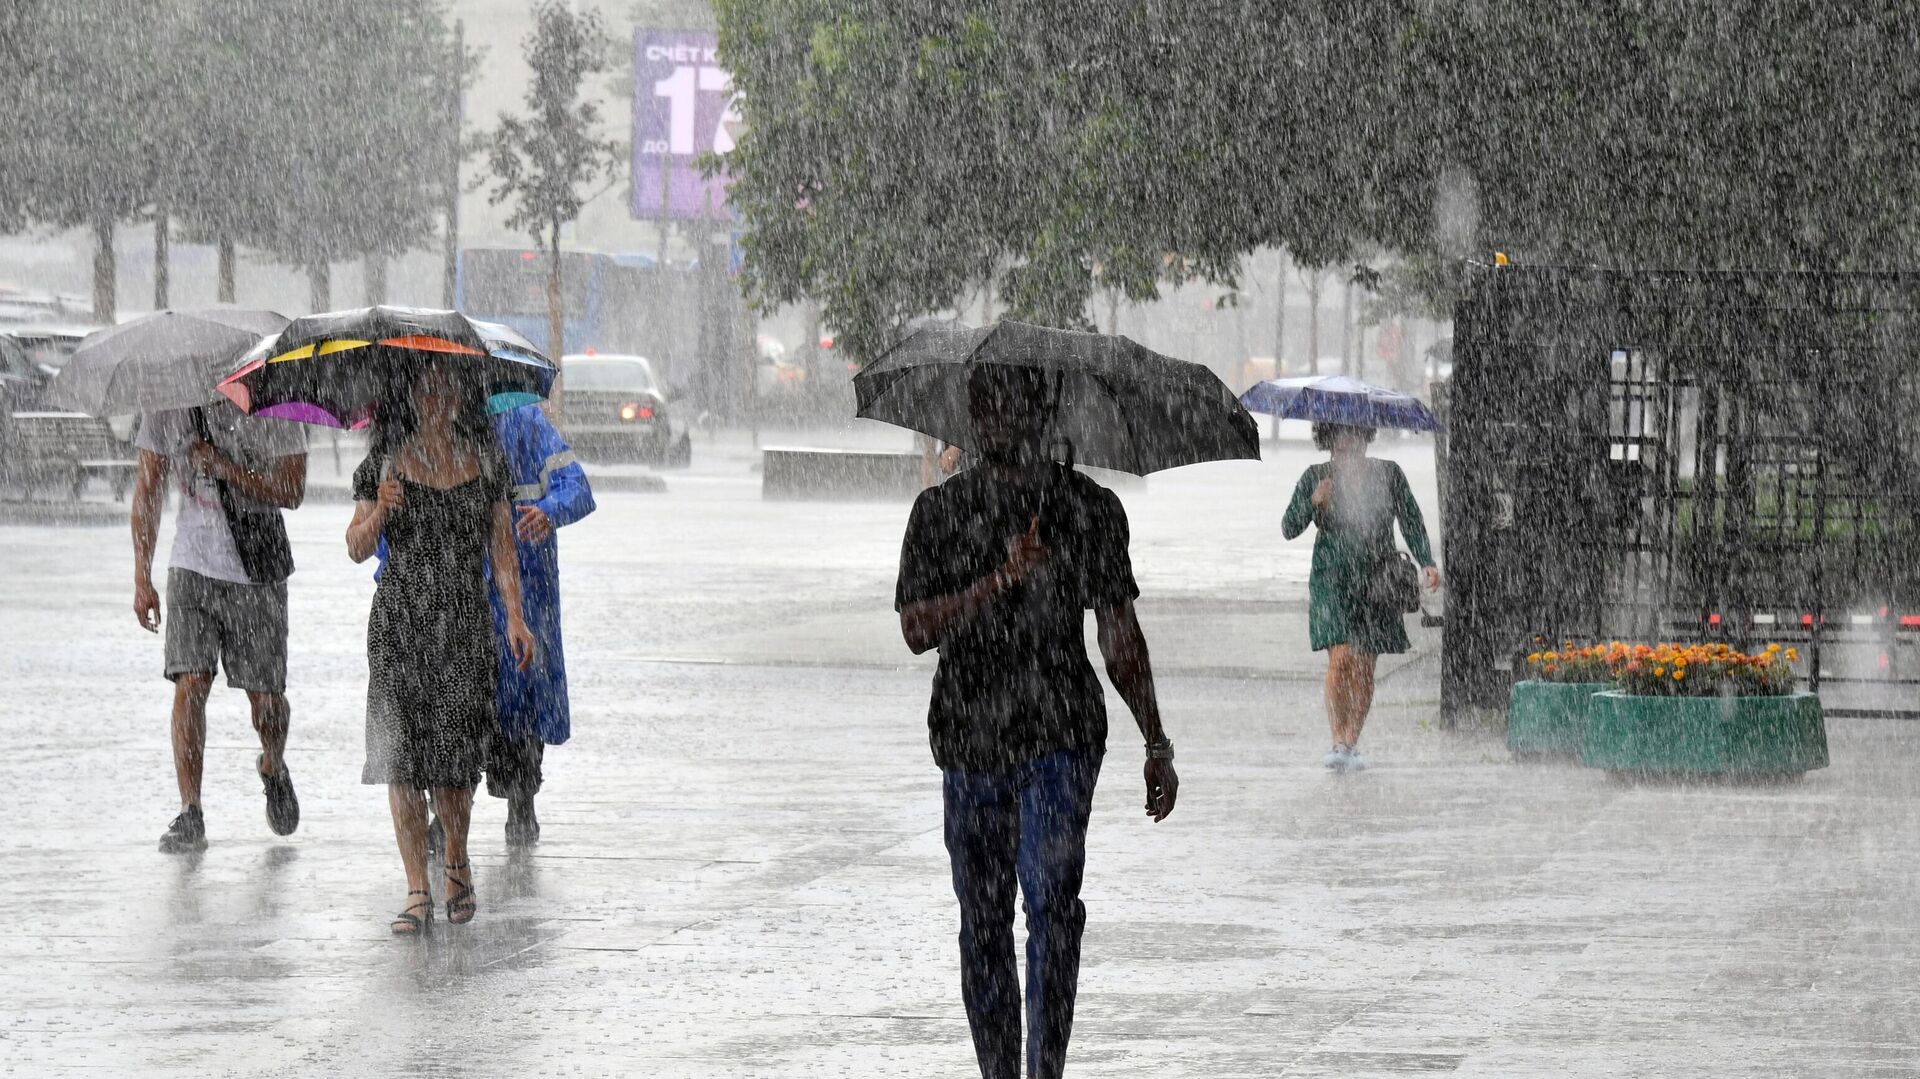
1686 456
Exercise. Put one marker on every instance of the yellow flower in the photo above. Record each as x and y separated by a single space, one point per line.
1533 658
1680 675
1659 672
1793 655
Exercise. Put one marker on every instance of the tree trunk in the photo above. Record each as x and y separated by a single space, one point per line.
161 270
224 246
104 272
450 265
1313 326
1349 352
556 319
1280 320
319 286
373 273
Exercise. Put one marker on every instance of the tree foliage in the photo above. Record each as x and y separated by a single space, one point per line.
316 130
542 161
897 154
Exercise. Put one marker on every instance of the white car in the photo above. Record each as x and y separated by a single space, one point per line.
614 403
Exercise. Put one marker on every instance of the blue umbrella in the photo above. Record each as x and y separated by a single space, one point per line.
1339 399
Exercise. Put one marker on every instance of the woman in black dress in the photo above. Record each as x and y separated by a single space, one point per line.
436 487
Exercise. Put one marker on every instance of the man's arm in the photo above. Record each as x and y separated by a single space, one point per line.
1124 647
282 484
925 623
149 497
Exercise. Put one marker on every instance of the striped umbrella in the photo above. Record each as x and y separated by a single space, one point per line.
334 369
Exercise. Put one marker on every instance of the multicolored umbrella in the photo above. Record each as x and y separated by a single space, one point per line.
1339 399
334 369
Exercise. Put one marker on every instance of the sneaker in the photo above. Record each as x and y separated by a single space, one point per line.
283 807
187 832
1355 762
1336 758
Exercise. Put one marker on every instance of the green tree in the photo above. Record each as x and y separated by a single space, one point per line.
87 121
543 160
898 154
350 154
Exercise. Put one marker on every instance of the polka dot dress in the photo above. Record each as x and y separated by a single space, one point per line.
430 649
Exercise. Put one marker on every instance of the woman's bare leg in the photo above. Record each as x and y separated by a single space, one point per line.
1360 671
409 809
454 807
1337 691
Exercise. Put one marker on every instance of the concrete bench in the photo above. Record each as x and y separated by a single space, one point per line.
63 450
802 473
799 473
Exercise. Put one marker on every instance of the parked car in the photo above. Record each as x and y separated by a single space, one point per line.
48 344
615 404
47 347
20 377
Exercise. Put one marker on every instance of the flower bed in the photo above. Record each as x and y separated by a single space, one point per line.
1677 708
1549 717
1774 735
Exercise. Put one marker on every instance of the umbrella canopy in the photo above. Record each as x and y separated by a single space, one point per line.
332 369
1121 405
168 359
1339 399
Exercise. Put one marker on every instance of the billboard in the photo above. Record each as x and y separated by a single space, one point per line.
683 108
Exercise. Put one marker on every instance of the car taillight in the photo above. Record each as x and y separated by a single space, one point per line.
646 412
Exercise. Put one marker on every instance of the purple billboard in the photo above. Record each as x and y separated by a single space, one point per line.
683 108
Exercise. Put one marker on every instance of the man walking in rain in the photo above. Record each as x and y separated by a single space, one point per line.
226 586
998 567
550 491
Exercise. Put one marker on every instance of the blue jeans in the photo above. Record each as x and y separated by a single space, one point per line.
1027 823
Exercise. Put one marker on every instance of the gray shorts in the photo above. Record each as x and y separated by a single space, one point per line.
242 627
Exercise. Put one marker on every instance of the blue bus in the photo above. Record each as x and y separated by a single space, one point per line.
509 285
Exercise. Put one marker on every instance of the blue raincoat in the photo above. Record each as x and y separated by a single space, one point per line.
545 474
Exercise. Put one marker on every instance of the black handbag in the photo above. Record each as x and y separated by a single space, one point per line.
259 535
1394 583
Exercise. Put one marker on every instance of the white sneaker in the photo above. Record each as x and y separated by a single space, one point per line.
1337 758
1355 762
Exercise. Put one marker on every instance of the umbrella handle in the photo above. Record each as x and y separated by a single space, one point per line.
1053 426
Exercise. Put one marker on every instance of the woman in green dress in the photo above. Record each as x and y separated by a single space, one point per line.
1353 501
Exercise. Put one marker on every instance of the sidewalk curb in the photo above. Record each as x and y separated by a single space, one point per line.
63 514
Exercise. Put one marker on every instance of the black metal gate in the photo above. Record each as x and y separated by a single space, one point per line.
1687 456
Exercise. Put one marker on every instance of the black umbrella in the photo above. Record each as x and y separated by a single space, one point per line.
1120 404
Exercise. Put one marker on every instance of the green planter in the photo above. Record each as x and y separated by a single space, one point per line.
1549 717
1705 735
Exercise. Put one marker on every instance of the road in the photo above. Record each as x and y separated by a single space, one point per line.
742 872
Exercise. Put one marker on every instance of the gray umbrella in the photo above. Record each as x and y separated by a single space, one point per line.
1121 405
169 359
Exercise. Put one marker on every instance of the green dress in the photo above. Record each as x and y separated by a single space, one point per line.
1352 533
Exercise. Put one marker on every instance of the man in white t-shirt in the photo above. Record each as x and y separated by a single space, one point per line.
223 462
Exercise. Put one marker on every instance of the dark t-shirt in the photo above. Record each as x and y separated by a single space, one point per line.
1015 683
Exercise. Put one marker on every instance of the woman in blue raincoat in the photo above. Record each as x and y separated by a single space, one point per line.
549 491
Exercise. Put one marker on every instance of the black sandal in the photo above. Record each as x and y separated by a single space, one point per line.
408 924
460 902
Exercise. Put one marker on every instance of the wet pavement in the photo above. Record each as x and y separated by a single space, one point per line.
742 872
